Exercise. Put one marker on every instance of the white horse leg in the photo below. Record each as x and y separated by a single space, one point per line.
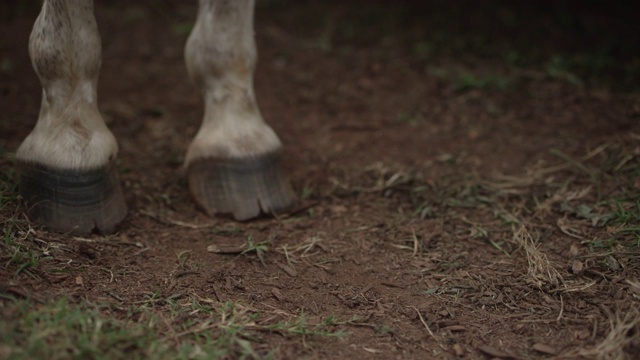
234 161
68 176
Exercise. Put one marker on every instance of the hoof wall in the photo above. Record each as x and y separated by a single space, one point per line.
243 187
78 202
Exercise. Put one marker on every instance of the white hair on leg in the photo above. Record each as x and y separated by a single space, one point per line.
66 54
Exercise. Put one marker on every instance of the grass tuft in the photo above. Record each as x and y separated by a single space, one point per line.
619 342
540 271
19 251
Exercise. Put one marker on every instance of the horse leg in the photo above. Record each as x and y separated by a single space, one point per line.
68 176
233 164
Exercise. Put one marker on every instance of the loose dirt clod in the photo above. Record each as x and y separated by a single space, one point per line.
458 350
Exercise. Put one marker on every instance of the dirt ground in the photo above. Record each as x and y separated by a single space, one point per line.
468 175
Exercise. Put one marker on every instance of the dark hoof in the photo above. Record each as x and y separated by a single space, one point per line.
244 187
73 201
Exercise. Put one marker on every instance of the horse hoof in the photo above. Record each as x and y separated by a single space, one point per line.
77 202
244 187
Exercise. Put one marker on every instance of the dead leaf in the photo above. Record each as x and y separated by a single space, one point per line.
456 328
491 351
278 295
227 248
288 269
544 348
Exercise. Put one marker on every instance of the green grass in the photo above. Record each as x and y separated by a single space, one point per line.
197 329
594 198
18 251
61 331
622 223
260 248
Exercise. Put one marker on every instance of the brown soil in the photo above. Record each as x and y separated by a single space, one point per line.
408 177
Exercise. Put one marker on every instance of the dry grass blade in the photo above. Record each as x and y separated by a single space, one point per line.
563 195
570 162
426 326
309 244
169 221
622 340
509 183
539 270
634 287
567 229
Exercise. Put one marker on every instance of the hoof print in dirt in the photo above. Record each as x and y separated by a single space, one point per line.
244 187
77 202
